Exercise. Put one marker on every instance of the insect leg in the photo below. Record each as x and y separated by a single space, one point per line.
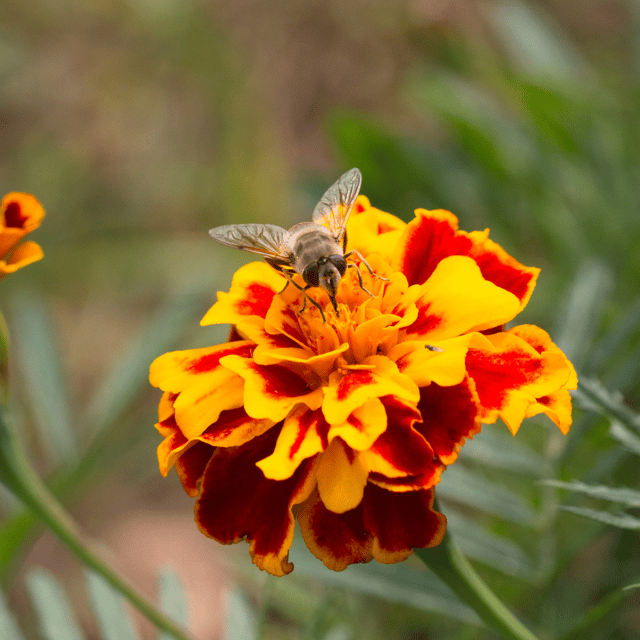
366 264
355 266
287 275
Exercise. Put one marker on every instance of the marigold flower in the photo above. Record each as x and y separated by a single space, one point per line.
348 425
20 214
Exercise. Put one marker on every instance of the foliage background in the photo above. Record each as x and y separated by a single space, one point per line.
140 124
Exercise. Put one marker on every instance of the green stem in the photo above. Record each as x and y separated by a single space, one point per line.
448 563
18 475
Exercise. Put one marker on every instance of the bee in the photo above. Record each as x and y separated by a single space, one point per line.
315 250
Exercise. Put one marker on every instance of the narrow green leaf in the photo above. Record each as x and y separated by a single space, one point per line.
625 496
499 553
394 583
343 632
130 372
469 488
113 618
536 46
622 522
172 598
617 339
239 618
582 308
57 620
592 395
8 627
36 344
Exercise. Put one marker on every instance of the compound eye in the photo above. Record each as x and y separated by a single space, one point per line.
339 263
310 275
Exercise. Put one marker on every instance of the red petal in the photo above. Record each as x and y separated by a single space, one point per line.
385 526
434 235
449 415
191 464
237 502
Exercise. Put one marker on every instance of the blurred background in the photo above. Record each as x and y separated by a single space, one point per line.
140 124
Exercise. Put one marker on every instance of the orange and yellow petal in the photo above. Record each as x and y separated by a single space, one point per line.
21 256
372 231
303 435
401 452
237 502
378 377
511 377
434 235
386 526
271 391
20 214
456 299
252 290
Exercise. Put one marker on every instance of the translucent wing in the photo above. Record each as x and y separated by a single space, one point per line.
263 239
335 206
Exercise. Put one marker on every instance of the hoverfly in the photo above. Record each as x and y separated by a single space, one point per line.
315 250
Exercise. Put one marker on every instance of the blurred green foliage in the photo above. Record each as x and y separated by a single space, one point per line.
140 124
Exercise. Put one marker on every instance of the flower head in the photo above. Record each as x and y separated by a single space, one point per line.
347 425
20 213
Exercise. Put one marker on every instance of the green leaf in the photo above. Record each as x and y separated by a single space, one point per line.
594 396
625 496
460 485
499 553
583 307
395 583
624 436
342 632
8 627
622 522
239 618
172 598
36 343
57 620
113 619
537 47
129 374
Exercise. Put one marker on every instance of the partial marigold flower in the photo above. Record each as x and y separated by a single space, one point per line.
348 425
20 213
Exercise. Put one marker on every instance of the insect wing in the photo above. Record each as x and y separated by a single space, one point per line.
335 206
266 240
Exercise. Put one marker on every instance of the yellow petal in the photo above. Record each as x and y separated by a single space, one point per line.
341 478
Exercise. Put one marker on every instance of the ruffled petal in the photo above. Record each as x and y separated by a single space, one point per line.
401 451
450 415
434 235
252 290
271 391
237 502
190 466
510 378
303 435
386 526
370 230
456 299
346 392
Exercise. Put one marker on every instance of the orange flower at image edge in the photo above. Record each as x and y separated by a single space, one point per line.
20 213
347 425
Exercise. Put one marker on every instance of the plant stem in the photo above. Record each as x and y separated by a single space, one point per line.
18 475
448 563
